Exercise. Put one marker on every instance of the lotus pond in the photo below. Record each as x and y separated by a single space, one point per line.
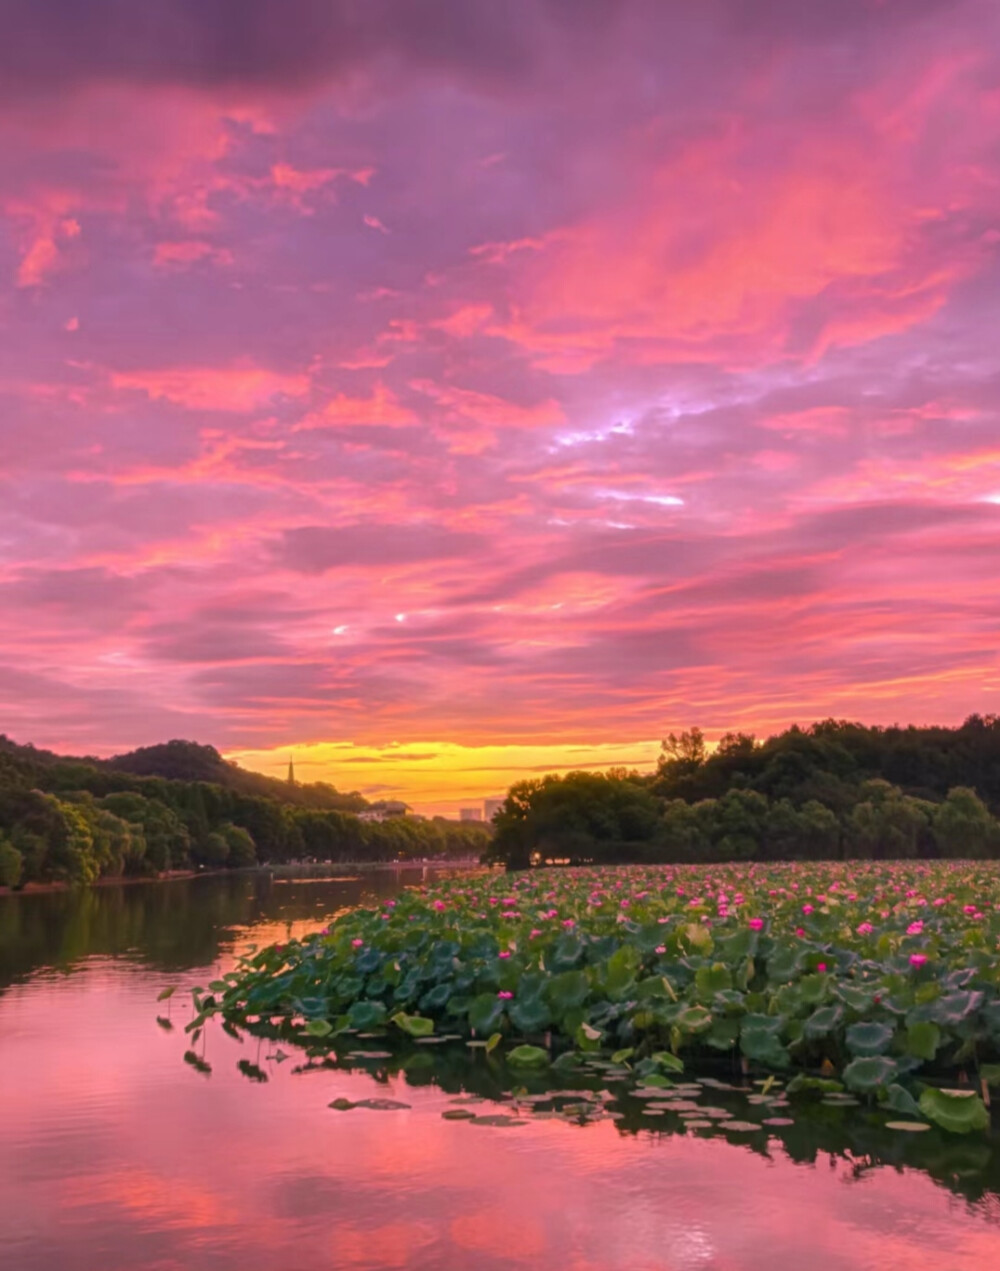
161 1136
869 981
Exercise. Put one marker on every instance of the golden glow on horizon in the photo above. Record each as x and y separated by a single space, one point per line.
439 777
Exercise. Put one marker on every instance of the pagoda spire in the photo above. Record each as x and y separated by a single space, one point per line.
291 771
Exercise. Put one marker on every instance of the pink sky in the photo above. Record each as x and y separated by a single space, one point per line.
557 372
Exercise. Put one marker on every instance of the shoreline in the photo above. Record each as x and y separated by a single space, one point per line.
320 869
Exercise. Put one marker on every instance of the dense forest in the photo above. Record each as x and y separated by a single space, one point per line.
833 791
182 806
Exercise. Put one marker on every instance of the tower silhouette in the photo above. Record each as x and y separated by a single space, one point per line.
291 771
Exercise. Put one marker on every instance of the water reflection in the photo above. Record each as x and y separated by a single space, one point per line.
115 1154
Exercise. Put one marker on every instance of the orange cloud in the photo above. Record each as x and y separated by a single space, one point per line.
381 408
189 252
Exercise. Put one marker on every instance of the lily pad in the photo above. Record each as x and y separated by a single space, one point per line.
954 1112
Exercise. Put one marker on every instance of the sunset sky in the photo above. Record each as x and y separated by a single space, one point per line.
448 391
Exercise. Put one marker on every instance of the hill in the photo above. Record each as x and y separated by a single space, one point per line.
190 761
180 805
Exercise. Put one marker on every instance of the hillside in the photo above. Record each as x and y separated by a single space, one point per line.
180 805
190 761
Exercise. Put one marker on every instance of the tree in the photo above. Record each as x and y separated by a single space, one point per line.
682 832
164 836
11 864
680 755
887 824
962 826
583 816
736 745
242 852
212 851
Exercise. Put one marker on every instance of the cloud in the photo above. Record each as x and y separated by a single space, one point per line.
669 396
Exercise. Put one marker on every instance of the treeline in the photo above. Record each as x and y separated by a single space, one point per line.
837 790
78 821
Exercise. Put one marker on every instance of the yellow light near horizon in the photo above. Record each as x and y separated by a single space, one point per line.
436 778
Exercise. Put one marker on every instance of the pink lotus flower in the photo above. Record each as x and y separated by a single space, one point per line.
918 959
357 943
820 966
568 922
807 909
533 932
968 909
915 928
756 924
504 953
505 994
800 931
440 906
661 948
864 929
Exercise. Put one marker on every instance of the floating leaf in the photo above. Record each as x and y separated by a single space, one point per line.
414 1025
528 1057
955 1112
319 1028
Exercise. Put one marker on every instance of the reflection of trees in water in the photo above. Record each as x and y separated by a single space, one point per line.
170 926
186 924
853 1140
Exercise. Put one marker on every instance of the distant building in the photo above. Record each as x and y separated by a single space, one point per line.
383 810
470 814
291 771
491 807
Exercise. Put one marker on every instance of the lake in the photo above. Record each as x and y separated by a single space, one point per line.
117 1155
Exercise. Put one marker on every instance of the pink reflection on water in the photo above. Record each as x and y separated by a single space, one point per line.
118 1155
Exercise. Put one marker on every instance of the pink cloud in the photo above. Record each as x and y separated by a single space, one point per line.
669 397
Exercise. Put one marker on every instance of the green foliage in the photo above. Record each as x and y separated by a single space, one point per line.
528 1057
180 806
961 1112
835 790
11 864
242 849
819 969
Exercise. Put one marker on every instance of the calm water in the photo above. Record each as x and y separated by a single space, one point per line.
116 1155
